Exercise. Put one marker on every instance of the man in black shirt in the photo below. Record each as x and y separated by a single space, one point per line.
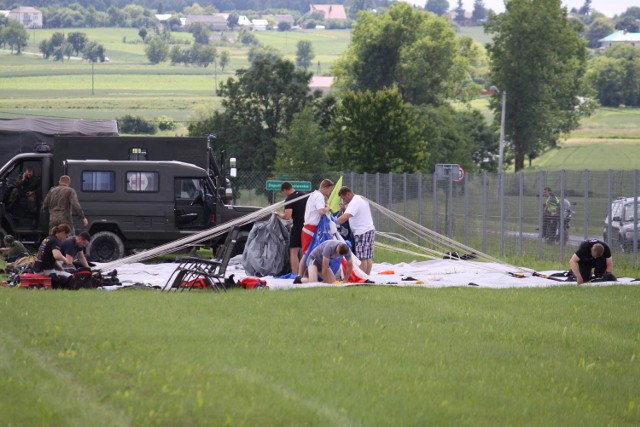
294 211
591 255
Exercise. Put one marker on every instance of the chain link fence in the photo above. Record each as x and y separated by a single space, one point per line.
499 214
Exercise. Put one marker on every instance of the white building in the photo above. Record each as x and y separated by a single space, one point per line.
29 17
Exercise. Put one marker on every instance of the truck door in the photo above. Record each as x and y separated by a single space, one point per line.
190 203
22 193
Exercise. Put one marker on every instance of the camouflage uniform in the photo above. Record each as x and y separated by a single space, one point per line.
59 202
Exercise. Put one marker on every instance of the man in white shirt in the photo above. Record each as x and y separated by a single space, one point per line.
316 207
358 213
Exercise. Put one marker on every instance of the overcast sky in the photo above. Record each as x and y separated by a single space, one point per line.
608 7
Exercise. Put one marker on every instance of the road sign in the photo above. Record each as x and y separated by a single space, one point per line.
273 185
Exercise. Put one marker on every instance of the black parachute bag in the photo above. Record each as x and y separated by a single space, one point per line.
84 278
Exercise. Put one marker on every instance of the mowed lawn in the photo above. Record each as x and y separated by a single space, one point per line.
357 356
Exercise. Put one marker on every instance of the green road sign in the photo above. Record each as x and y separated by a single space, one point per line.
297 185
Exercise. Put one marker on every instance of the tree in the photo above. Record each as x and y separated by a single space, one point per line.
259 105
93 52
438 7
142 32
408 49
224 59
585 10
201 33
598 29
304 54
156 50
303 150
460 13
376 132
284 26
202 55
232 20
538 58
629 24
15 36
616 76
479 12
77 41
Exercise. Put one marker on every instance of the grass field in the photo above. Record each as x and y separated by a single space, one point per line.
347 357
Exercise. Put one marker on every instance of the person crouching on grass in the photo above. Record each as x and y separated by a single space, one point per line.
319 260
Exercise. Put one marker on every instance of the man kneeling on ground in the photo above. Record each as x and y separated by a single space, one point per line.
591 255
319 260
73 249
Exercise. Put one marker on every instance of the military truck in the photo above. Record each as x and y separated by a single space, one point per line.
137 192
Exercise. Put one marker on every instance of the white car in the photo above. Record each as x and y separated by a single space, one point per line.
624 224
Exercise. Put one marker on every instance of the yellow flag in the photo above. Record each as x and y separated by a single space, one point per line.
334 200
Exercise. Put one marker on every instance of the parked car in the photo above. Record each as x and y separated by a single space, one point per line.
624 223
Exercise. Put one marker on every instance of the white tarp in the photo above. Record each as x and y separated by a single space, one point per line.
427 274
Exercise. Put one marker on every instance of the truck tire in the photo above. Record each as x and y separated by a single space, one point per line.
105 246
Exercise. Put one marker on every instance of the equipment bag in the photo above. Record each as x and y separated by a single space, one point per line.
84 278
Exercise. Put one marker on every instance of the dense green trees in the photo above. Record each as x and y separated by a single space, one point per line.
259 106
538 57
302 151
616 76
376 132
75 43
14 36
408 49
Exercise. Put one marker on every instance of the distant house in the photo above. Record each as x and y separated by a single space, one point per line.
321 83
260 24
29 17
244 22
620 37
217 22
331 11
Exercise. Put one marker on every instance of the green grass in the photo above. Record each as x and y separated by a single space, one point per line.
348 356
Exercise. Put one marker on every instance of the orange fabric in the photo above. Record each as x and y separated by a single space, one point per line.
387 272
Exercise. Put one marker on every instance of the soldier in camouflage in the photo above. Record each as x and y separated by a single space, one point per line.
60 201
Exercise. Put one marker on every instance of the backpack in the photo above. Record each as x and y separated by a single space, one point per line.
84 278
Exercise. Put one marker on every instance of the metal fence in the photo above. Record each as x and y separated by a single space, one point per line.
499 214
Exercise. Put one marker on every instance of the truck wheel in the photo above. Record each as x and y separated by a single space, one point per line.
105 246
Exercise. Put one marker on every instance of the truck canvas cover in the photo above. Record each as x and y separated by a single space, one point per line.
23 135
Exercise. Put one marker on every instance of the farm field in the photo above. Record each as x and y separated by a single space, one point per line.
128 84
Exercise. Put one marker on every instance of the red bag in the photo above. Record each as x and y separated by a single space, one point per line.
252 282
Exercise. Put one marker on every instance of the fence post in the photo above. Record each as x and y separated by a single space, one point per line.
520 213
466 209
449 207
485 204
609 201
540 213
635 217
435 226
562 209
404 196
502 209
585 224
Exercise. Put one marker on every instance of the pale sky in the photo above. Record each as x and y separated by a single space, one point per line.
608 7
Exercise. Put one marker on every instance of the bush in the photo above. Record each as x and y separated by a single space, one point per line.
166 123
136 125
